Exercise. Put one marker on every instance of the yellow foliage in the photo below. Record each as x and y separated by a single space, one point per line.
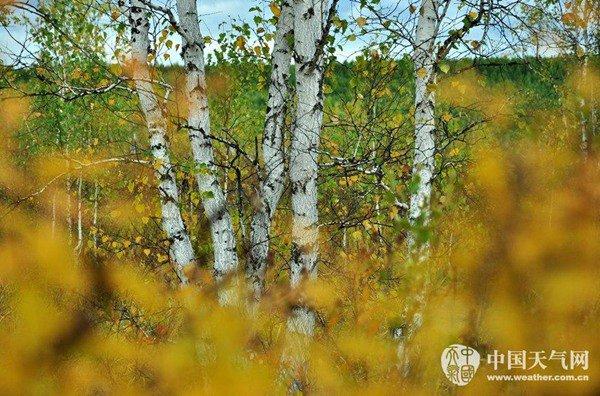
514 268
275 9
467 91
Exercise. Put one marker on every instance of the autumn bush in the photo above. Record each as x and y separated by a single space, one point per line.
513 265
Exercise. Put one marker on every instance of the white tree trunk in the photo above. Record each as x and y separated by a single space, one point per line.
79 245
69 218
213 198
583 124
310 17
53 215
423 166
95 216
424 58
272 179
181 251
585 139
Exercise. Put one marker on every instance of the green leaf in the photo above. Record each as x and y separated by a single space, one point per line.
208 195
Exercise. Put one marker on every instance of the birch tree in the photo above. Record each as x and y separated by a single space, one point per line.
569 27
213 198
311 25
181 250
273 175
424 150
429 31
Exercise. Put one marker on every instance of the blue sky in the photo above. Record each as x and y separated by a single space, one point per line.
215 16
215 12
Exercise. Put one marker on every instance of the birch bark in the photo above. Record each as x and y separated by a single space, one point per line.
585 138
583 14
423 166
95 217
272 178
310 17
181 251
213 197
69 218
79 246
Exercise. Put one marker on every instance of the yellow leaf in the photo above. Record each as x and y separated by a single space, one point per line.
393 213
147 252
240 42
361 21
275 9
140 207
444 67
